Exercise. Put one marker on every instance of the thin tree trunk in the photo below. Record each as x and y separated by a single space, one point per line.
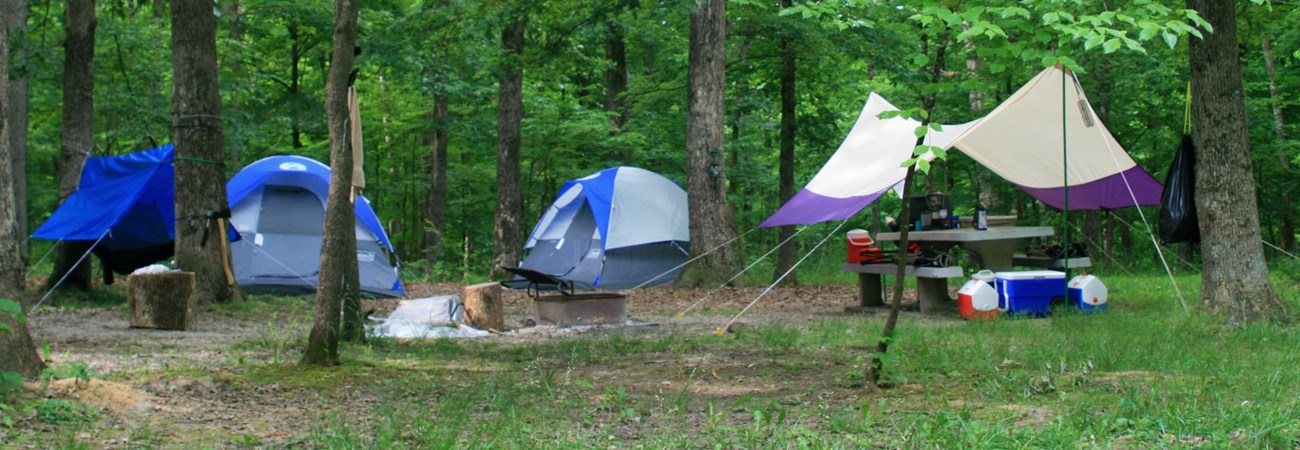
17 352
876 363
1235 274
200 162
16 112
233 11
615 77
1284 158
295 86
437 204
508 242
789 252
344 254
706 168
77 132
338 245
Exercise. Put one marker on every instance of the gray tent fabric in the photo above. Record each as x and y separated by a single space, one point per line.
615 229
279 210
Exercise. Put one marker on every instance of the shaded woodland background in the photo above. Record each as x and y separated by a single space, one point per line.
604 85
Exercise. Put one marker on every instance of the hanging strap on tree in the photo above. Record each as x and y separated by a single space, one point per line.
219 217
1187 111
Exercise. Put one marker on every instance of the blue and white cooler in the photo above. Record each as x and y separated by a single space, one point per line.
1088 293
1029 292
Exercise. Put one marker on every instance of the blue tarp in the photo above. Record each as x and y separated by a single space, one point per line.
130 197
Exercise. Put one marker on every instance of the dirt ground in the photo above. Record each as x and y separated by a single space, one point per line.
154 385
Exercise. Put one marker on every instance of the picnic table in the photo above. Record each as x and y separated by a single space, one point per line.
992 249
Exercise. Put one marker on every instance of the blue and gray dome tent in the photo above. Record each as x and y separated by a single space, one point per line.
278 206
614 229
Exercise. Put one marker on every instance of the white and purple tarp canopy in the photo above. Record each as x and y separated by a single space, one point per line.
1025 140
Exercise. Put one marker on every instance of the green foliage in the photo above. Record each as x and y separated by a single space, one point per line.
274 57
55 411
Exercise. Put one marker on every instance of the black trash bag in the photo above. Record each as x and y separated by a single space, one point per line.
1178 221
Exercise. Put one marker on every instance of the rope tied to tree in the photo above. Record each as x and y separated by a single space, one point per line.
199 160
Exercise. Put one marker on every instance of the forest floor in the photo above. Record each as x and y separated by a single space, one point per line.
788 375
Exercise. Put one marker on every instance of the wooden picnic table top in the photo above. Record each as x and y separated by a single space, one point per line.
970 234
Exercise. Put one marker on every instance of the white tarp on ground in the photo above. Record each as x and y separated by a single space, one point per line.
427 318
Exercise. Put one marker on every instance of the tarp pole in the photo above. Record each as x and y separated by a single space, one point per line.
1143 216
1065 177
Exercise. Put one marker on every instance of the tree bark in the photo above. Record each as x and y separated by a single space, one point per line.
17 352
1284 158
508 242
16 111
483 307
785 258
77 132
339 245
200 160
615 77
163 300
295 74
706 167
1235 275
436 234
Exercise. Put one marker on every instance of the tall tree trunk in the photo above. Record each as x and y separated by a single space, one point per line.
436 234
78 133
295 86
15 19
17 352
1284 158
789 252
200 162
338 278
1235 275
507 243
615 77
233 10
706 168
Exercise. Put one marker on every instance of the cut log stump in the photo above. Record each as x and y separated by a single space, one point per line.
161 300
483 307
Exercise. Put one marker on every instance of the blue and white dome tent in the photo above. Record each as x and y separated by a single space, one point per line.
617 228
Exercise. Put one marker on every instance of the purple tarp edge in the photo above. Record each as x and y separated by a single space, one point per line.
1107 193
808 207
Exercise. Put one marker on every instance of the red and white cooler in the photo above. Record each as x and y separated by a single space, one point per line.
978 299
862 249
1087 293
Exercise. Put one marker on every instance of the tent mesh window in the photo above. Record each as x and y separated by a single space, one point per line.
295 211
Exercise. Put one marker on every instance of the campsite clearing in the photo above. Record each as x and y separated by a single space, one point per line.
1138 375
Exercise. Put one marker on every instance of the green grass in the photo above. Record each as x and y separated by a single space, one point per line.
1142 374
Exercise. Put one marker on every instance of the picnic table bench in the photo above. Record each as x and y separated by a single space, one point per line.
1046 262
931 284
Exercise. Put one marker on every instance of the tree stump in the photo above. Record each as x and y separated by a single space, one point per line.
161 300
483 307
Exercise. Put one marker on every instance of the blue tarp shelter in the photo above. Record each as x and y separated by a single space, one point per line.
124 202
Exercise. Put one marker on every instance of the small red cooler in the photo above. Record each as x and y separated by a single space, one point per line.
978 299
863 249
1087 293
